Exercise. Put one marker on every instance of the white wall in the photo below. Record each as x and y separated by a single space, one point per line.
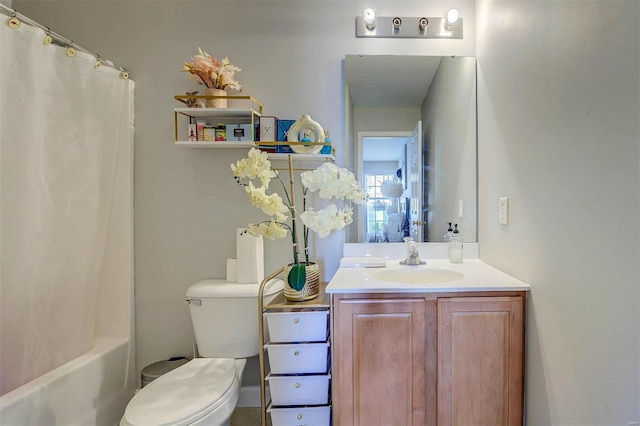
558 106
384 119
187 205
449 137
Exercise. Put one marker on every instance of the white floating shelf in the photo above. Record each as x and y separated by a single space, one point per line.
211 144
217 112
248 145
301 157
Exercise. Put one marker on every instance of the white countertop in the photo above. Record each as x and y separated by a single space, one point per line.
478 276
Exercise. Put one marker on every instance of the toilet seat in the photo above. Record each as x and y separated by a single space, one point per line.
186 394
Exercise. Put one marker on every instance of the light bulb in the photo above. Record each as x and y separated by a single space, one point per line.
422 24
369 17
452 18
396 24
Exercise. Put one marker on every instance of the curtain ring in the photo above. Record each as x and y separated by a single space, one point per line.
98 62
71 51
125 75
14 22
47 39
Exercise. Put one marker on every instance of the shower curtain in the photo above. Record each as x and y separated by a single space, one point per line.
62 122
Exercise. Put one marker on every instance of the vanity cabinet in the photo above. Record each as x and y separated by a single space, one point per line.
380 361
480 360
428 358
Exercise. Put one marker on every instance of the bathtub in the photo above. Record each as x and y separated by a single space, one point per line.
93 389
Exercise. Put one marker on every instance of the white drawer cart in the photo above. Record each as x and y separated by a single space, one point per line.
298 348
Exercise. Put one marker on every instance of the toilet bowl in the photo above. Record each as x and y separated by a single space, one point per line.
204 391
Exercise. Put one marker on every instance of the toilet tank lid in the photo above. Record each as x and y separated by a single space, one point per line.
224 288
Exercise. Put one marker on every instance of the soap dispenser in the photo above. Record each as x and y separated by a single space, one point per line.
449 235
455 246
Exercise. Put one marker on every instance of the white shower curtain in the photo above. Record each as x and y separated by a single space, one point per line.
62 122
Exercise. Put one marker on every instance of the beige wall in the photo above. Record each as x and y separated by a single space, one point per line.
558 106
187 205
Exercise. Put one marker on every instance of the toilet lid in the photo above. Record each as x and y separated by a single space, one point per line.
180 395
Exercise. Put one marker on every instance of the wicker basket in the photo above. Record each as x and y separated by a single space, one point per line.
311 287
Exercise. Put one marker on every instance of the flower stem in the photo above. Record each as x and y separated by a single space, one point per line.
294 237
286 193
305 230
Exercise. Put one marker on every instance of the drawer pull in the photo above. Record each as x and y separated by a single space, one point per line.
296 353
297 385
299 416
295 320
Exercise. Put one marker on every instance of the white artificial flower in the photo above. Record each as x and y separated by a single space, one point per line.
328 180
271 230
255 166
327 220
271 205
333 182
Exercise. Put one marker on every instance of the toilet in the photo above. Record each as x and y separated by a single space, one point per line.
205 390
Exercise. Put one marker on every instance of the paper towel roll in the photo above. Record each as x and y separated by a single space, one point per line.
250 257
232 269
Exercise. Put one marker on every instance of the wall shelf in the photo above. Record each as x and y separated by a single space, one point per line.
217 112
307 158
215 145
248 116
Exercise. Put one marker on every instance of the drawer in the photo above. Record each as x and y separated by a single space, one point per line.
308 416
298 358
302 326
299 390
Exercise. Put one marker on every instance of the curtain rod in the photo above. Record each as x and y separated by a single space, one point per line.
60 40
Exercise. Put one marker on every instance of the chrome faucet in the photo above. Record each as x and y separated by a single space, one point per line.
413 257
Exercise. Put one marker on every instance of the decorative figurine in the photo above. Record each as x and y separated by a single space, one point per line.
191 102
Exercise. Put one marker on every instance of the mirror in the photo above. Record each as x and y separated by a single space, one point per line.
412 142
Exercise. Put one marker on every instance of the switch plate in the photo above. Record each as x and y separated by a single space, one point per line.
461 209
504 210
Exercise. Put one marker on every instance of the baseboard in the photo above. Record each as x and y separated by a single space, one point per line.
249 396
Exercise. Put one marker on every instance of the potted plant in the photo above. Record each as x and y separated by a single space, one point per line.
216 75
329 182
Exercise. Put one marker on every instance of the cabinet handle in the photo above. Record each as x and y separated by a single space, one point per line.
297 385
299 416
295 320
296 353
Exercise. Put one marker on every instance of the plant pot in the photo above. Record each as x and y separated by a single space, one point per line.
293 276
216 102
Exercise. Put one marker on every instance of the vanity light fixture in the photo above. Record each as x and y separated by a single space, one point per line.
452 18
369 17
370 25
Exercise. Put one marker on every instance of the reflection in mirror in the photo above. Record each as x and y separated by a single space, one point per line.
411 141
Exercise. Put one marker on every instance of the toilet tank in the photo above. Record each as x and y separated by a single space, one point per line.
225 317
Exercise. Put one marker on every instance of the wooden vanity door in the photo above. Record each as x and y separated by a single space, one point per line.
379 374
480 361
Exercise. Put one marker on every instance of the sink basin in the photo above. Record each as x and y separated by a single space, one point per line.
418 275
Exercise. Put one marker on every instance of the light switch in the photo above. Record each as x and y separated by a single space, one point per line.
504 210
461 209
